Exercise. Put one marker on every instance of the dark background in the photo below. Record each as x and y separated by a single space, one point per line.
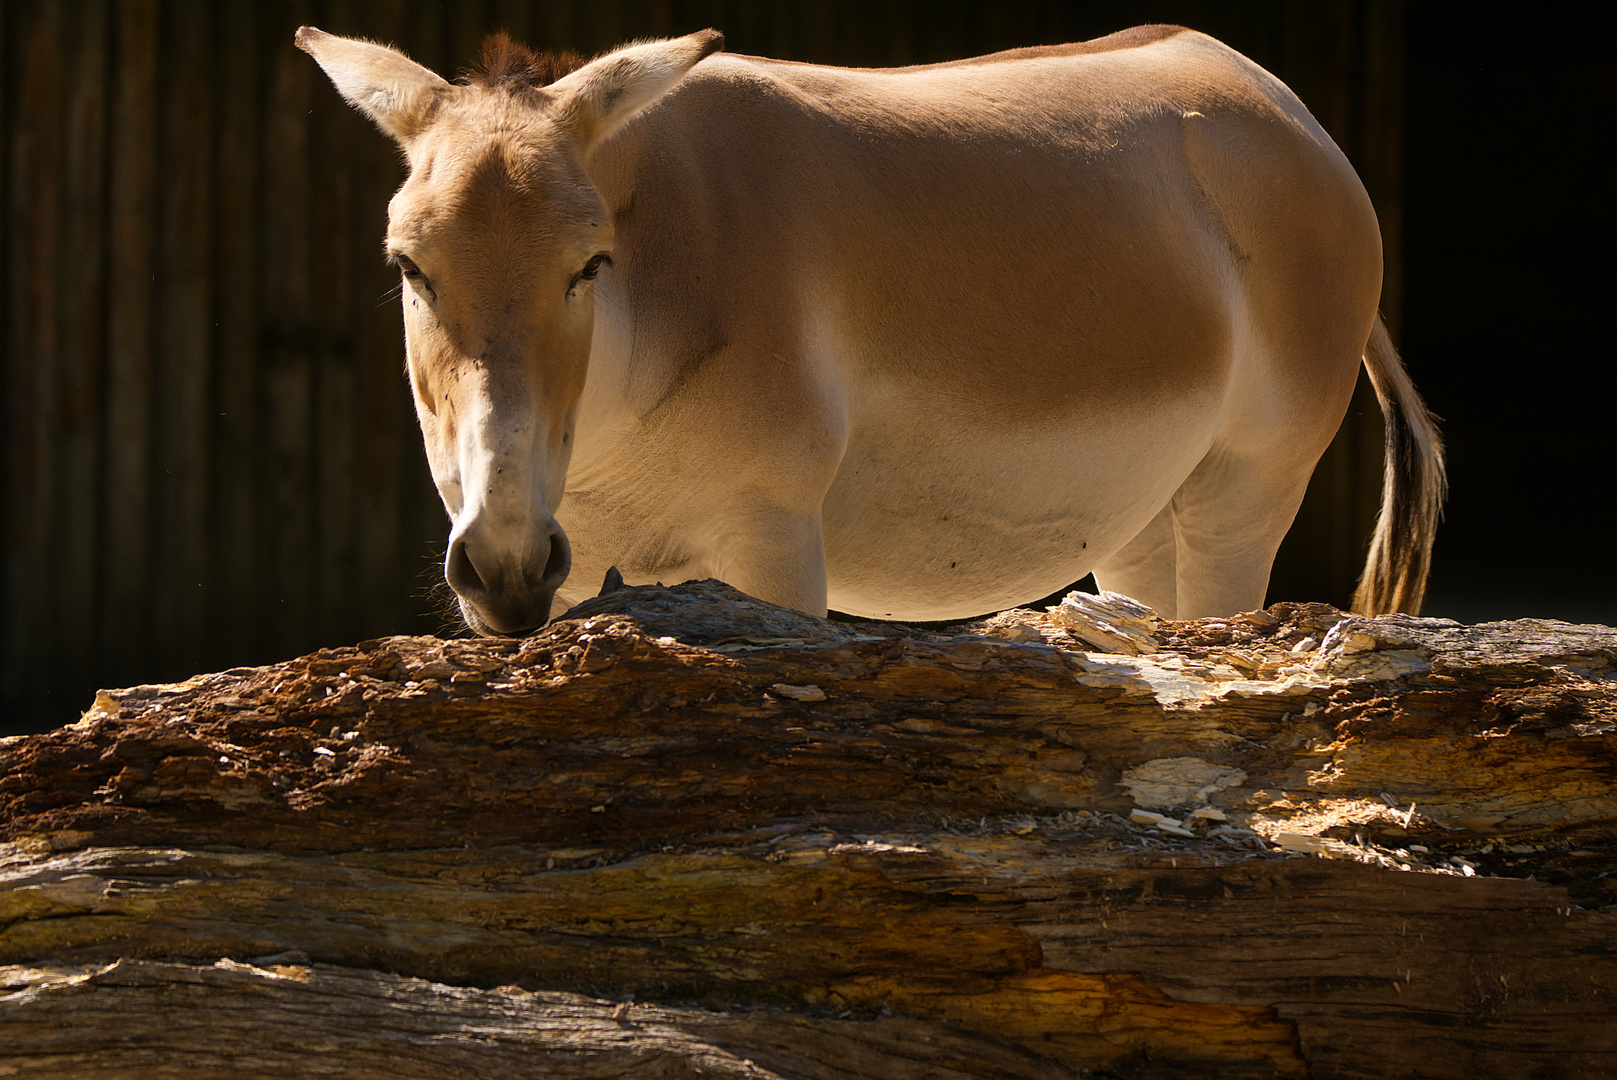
1509 230
209 457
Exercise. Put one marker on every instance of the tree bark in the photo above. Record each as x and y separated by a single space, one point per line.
682 832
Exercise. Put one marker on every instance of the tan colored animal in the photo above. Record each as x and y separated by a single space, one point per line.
920 343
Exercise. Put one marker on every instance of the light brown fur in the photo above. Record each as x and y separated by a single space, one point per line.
920 342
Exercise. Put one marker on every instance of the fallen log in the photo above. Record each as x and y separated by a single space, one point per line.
682 832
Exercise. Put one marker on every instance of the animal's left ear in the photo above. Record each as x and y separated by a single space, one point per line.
595 100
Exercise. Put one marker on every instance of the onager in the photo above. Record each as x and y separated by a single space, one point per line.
915 343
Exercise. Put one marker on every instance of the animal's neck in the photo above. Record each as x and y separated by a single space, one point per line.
654 315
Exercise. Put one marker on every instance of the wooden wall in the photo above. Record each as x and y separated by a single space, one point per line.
209 457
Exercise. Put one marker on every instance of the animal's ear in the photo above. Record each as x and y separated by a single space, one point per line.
595 100
384 84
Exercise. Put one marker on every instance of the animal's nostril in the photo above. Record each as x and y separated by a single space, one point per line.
461 573
560 560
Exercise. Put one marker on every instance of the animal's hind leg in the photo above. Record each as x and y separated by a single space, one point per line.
1146 567
1229 518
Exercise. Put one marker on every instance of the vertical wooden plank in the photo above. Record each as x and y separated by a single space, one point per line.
814 33
10 698
1379 154
851 25
79 388
333 129
657 18
469 23
235 551
1067 22
515 17
1265 29
1316 61
599 27
1314 562
1380 161
939 31
548 27
773 31
34 213
634 19
1326 54
1004 27
286 506
428 40
126 641
384 581
184 336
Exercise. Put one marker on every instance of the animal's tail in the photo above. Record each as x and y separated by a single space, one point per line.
1413 486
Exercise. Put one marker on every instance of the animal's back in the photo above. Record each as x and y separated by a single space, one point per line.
999 291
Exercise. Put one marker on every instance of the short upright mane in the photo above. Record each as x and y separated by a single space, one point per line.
507 64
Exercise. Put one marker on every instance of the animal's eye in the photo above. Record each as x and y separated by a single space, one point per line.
412 273
593 267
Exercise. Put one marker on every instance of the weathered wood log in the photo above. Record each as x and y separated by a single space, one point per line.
1292 843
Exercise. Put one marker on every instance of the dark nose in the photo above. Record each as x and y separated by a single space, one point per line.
461 572
558 561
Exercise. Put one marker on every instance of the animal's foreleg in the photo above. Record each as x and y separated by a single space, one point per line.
777 556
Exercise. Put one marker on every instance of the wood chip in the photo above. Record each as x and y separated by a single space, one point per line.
798 693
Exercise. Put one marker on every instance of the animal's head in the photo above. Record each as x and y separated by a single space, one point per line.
500 236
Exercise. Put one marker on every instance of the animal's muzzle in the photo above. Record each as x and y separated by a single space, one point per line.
506 591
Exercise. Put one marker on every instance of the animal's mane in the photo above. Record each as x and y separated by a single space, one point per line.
507 64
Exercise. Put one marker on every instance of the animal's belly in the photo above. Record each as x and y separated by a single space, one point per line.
946 520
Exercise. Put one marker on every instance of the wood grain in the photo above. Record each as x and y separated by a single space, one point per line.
237 552
76 510
128 483
291 1018
34 215
1293 843
288 377
183 373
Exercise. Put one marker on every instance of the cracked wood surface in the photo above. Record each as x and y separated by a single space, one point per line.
1292 843
310 1020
